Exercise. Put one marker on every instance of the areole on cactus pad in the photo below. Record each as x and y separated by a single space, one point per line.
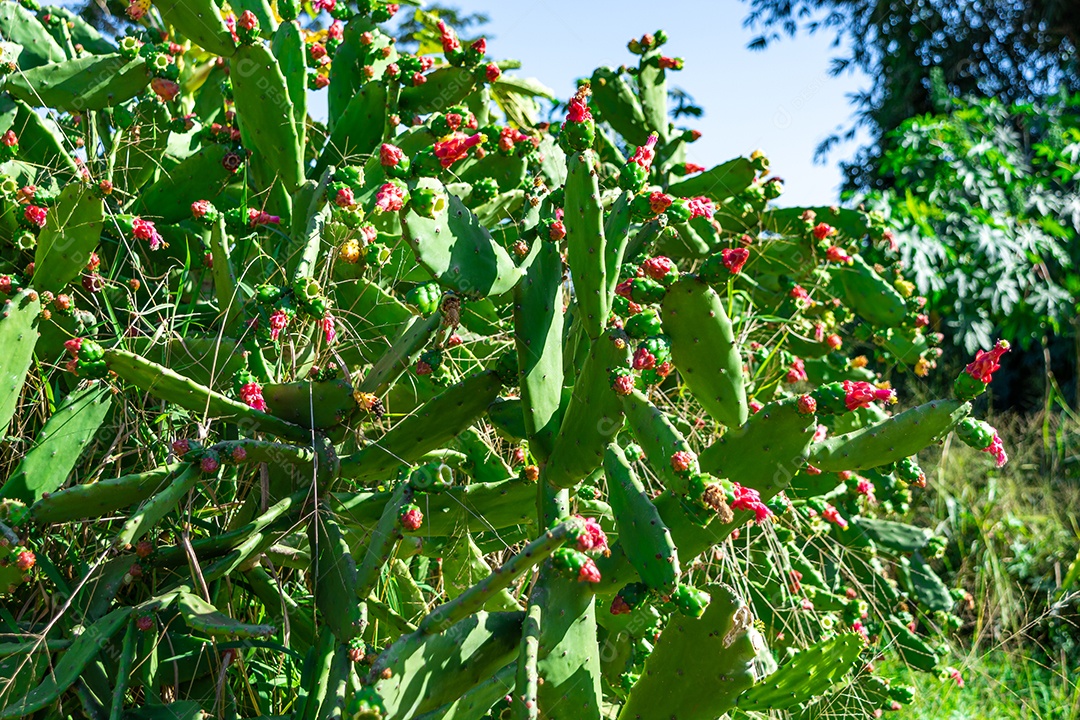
434 409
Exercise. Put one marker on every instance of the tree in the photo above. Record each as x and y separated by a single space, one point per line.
987 196
1014 50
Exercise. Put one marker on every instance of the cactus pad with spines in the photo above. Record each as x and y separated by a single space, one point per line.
416 415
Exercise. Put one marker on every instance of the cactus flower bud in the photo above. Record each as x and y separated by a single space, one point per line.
836 254
456 147
701 207
645 154
326 324
144 623
209 464
165 89
137 9
450 42
411 518
492 72
146 231
683 461
204 211
643 359
833 515
796 371
251 394
659 202
749 499
756 406
807 405
344 198
822 231
592 538
390 198
619 606
25 560
734 259
261 217
34 216
391 156
9 145
860 394
279 320
978 373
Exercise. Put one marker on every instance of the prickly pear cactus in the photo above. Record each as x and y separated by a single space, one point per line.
430 409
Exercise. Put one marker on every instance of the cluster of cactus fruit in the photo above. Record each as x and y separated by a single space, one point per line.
413 414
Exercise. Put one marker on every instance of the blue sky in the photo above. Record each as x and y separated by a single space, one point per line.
781 100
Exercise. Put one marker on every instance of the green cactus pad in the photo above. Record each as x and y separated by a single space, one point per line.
70 430
70 235
568 657
432 425
489 587
18 336
41 142
320 405
148 515
266 113
642 534
704 350
653 91
360 128
660 440
869 295
93 82
67 670
894 439
897 536
619 106
204 618
767 451
811 672
428 671
718 183
168 385
36 46
593 416
463 566
443 87
200 176
929 589
585 241
350 60
95 499
699 667
538 332
456 248
913 650
335 578
201 21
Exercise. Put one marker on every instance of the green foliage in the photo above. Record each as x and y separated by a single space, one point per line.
341 432
986 200
1017 52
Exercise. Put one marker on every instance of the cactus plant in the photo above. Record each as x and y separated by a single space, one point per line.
413 413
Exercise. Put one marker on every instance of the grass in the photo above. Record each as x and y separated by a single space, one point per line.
1013 535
